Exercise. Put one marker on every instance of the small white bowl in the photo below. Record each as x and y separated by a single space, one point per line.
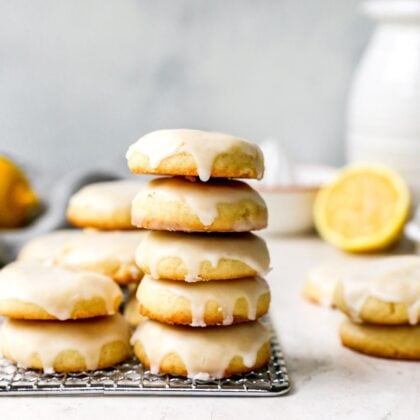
290 208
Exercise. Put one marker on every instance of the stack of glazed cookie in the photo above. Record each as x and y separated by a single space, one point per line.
61 295
382 302
202 292
60 319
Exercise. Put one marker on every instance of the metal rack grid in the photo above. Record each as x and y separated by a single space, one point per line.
130 378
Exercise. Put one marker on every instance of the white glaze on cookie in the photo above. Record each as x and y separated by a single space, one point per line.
205 352
325 276
203 146
106 198
194 249
225 293
95 249
55 289
45 247
22 339
202 198
393 279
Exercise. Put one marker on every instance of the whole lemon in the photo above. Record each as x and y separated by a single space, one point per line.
18 201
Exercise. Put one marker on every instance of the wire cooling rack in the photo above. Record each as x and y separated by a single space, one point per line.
130 378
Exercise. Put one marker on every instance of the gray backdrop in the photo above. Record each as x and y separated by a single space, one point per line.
81 79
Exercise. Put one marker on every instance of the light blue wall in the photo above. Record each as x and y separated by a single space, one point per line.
81 79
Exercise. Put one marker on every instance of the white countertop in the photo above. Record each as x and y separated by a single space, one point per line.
328 380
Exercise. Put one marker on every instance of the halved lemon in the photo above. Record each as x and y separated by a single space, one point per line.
363 209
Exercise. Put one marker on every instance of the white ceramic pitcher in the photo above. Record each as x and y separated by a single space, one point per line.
384 102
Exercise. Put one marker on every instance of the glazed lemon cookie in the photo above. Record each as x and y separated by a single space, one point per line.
31 290
71 346
385 291
104 205
204 303
397 342
109 253
195 257
44 247
202 353
184 205
195 153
